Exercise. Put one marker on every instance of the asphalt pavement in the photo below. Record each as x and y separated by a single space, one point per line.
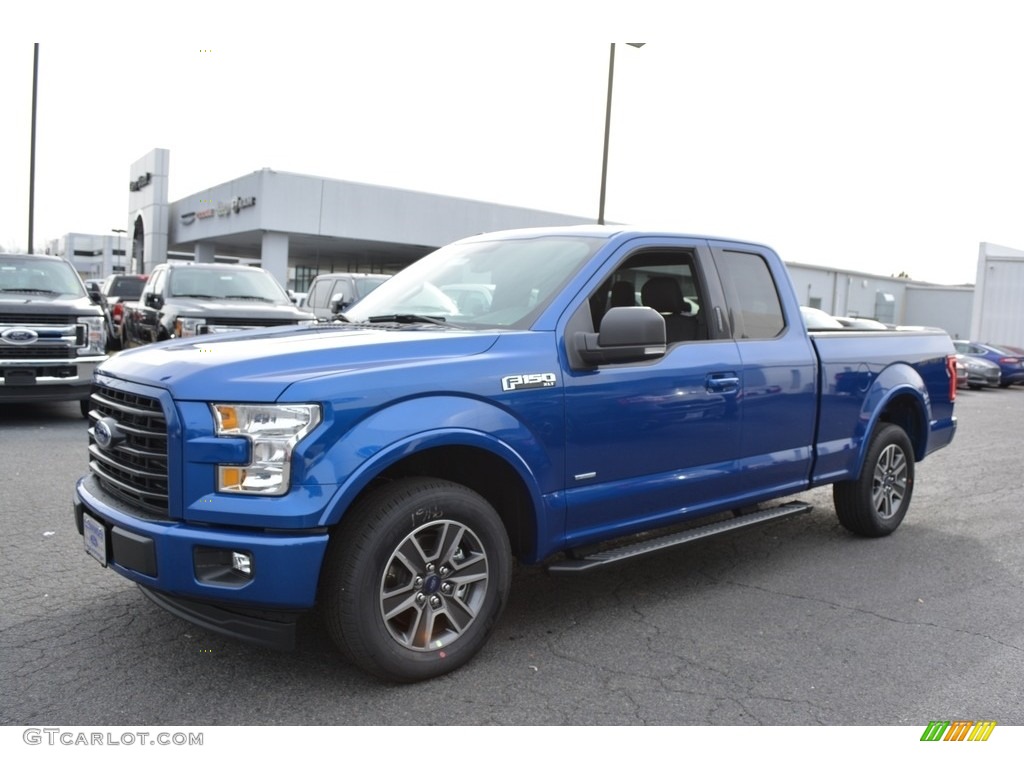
794 623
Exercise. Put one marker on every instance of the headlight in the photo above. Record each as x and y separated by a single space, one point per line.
95 335
273 431
188 326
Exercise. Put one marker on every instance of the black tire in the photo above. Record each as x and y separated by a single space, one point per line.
416 577
876 502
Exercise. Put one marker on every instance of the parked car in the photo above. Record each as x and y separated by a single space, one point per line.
1019 351
52 331
183 299
116 290
333 293
1011 365
979 371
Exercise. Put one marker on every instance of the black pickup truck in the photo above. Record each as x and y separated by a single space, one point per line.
188 299
52 331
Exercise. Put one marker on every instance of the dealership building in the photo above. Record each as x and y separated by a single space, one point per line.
293 225
297 226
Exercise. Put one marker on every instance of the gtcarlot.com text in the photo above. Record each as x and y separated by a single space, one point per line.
74 738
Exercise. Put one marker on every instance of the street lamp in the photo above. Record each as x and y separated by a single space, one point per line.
607 126
120 246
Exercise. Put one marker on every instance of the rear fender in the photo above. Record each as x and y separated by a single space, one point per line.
898 395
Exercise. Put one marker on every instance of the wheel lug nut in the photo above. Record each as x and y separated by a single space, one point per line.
430 567
421 598
417 582
444 570
446 588
435 601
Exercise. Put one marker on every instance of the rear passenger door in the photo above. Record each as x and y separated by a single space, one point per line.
778 370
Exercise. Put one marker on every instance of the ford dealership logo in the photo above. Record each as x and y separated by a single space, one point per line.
19 335
107 433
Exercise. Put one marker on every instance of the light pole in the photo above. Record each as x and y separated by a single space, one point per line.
120 246
607 126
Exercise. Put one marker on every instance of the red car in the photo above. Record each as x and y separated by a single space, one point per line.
116 290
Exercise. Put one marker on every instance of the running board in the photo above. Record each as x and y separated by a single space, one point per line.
635 549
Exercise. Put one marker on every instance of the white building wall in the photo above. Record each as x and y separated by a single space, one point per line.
945 307
147 205
998 315
94 257
889 299
849 294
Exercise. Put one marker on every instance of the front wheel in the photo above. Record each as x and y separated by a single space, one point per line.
416 577
876 502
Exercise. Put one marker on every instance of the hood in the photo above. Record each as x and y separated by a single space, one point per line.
34 304
259 365
241 309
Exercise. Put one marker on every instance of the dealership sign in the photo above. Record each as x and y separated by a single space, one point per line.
236 204
139 183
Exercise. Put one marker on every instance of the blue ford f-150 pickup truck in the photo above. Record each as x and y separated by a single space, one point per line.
609 392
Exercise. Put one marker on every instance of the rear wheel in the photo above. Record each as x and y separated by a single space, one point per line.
876 502
416 577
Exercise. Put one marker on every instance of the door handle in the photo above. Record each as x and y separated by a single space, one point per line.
722 382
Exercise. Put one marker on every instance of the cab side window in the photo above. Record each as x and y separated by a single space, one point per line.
664 280
320 293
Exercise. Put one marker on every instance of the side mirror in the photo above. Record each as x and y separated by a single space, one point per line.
337 303
627 335
154 300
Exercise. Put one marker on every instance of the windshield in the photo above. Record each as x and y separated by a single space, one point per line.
497 283
365 285
39 276
244 285
129 288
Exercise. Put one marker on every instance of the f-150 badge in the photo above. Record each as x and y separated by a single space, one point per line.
528 381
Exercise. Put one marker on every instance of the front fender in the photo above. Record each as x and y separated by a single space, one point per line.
411 426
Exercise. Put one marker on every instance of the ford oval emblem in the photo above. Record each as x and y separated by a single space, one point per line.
107 433
19 335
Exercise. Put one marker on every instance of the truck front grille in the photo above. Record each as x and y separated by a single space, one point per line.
38 352
31 320
134 466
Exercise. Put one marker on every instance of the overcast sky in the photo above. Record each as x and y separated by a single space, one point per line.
880 137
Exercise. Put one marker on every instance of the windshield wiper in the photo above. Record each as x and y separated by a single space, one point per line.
29 290
407 319
196 296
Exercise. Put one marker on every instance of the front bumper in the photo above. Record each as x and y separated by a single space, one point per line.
23 381
171 561
983 379
272 630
